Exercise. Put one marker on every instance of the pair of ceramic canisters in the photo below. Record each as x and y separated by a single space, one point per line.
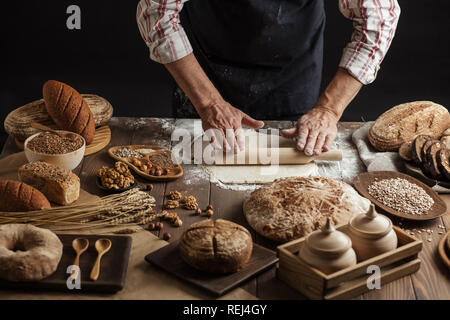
366 235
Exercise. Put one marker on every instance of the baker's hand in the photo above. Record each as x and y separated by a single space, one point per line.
228 121
314 131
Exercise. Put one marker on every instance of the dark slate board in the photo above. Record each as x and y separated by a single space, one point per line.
168 259
112 273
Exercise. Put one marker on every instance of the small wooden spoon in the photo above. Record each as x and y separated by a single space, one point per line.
102 246
42 127
80 245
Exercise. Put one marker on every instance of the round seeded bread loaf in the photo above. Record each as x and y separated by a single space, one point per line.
291 208
219 246
404 122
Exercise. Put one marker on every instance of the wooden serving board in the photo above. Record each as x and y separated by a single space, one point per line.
363 181
174 174
168 259
417 173
113 270
444 249
101 139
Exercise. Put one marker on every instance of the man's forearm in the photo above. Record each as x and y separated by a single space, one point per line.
191 78
339 93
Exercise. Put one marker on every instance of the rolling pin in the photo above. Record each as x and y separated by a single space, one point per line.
262 156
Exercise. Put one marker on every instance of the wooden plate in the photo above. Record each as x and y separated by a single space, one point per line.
444 252
175 173
101 139
417 173
363 181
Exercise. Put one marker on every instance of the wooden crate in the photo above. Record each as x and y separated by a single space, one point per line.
352 281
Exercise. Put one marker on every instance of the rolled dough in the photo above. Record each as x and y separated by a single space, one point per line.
252 174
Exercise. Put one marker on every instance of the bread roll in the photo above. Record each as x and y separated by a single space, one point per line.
59 185
17 196
404 122
68 109
291 208
219 246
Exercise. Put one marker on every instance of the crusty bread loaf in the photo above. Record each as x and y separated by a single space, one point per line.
17 196
68 109
219 246
404 122
57 184
291 208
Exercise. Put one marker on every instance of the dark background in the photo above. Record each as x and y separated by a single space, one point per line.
108 57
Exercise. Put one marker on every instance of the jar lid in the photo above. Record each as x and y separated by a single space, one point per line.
328 241
370 224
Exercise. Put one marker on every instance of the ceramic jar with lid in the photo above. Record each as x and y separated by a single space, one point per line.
372 234
328 250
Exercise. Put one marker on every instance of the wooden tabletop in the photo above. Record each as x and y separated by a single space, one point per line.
432 281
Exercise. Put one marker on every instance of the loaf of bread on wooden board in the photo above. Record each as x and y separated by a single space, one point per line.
17 197
68 109
219 246
404 122
57 184
18 122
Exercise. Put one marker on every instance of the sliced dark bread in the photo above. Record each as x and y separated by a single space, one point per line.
417 146
429 160
442 158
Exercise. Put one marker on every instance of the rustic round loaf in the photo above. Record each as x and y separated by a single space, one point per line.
219 246
18 122
404 122
28 253
291 208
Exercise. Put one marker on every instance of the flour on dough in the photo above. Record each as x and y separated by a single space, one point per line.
252 174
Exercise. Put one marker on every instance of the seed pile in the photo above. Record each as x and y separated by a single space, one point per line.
127 153
50 143
162 159
401 195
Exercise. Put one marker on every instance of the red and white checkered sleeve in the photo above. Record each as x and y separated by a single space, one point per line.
159 25
375 23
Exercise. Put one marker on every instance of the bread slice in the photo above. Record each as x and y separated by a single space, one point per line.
404 122
417 146
442 158
429 161
68 109
17 197
59 185
405 151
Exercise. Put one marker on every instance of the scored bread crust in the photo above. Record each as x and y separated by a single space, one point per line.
291 208
68 109
404 122
219 246
17 196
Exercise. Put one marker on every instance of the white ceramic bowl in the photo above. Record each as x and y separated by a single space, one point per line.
68 161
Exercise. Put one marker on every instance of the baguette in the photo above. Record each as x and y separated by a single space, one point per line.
68 109
59 185
17 196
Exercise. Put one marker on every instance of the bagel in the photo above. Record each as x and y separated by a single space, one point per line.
28 253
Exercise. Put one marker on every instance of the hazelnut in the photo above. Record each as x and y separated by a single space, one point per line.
198 211
209 213
149 187
159 225
151 227
209 207
167 236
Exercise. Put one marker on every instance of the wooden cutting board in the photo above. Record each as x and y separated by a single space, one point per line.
112 274
168 259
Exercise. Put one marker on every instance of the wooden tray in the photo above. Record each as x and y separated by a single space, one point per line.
101 139
175 173
364 180
112 273
444 249
352 281
168 259
417 173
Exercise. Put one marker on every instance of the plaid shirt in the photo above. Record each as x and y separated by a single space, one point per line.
374 23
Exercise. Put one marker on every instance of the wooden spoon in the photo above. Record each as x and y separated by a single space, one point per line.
80 245
42 127
102 246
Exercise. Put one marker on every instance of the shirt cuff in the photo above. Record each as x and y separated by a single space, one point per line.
171 48
360 64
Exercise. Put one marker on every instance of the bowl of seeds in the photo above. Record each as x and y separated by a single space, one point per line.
64 149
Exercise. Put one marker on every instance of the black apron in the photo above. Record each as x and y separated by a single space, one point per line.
264 56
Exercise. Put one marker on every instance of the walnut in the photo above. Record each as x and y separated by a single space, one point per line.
172 204
118 177
170 216
190 203
174 195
